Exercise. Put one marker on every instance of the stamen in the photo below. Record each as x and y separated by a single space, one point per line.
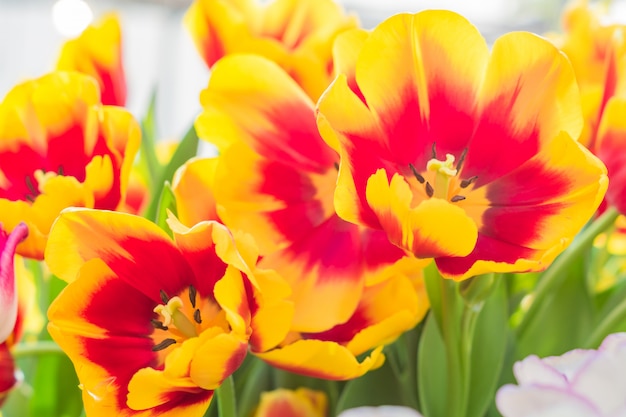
163 345
417 175
30 198
466 183
429 189
457 198
158 324
196 316
61 170
434 151
164 297
459 164
31 186
336 165
192 295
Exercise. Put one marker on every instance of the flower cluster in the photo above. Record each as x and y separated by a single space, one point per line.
362 180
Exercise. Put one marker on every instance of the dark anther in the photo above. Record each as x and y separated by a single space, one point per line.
434 151
196 316
31 186
336 165
30 198
192 295
60 170
158 324
457 198
459 164
164 297
467 182
429 189
163 345
420 179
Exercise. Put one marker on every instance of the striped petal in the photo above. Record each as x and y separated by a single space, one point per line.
320 359
535 211
80 235
528 97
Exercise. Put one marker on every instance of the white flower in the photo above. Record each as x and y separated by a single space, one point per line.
579 383
382 411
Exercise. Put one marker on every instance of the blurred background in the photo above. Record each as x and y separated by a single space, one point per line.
158 52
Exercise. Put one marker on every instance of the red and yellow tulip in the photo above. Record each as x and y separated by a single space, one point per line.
178 315
60 147
296 34
98 52
302 402
460 154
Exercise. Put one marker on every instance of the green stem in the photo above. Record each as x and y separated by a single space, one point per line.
451 340
554 276
616 316
468 326
226 403
398 357
43 347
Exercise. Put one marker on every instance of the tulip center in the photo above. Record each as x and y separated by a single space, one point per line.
440 178
444 172
40 178
177 319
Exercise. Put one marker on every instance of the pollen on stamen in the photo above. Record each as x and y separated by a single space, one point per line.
158 324
192 295
429 189
164 297
197 317
466 183
163 345
416 174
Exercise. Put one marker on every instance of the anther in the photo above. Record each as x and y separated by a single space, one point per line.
31 186
466 183
417 175
163 345
30 198
60 170
457 198
434 151
336 165
164 297
158 324
192 295
196 316
429 189
459 164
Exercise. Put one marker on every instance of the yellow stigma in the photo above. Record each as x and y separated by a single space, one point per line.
43 177
444 170
172 316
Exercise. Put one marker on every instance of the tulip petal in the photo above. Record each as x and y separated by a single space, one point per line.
8 282
72 243
610 145
320 359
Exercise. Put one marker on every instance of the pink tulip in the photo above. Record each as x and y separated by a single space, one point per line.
8 295
382 411
579 383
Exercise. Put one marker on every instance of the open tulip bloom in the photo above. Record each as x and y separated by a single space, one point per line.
398 222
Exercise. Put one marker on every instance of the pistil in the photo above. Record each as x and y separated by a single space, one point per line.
172 316
444 171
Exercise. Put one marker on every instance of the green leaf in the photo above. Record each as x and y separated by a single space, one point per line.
432 380
187 149
563 320
167 202
256 380
148 161
379 387
488 350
